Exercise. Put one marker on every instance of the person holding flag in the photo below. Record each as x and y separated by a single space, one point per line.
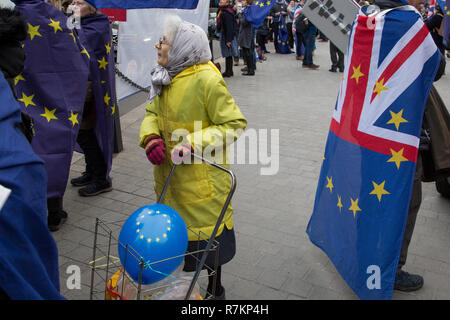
369 190
51 89
245 40
28 252
96 135
279 9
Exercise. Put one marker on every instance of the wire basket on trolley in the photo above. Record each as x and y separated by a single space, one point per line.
110 281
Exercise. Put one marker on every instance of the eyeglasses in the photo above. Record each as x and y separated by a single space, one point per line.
162 41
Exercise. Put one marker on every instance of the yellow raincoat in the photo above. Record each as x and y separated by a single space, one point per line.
197 191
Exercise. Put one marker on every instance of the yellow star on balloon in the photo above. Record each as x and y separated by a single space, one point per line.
339 204
55 25
33 31
396 118
330 184
73 118
18 78
354 207
379 87
27 100
397 157
49 115
357 74
106 99
102 63
378 190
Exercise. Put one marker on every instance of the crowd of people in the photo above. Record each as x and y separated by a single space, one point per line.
238 38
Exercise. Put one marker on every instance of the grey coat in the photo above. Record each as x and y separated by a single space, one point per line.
245 32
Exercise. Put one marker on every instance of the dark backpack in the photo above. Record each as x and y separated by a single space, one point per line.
301 24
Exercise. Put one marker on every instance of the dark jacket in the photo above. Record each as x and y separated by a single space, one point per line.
245 32
13 29
227 23
278 7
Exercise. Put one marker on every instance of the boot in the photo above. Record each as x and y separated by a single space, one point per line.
228 67
56 215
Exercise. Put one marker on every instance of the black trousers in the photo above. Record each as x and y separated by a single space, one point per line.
337 57
414 206
248 59
93 156
275 35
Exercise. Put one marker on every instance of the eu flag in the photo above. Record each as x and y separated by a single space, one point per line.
283 37
365 184
446 27
96 37
258 11
145 4
28 253
52 88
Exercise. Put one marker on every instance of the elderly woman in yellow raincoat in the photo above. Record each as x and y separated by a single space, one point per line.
189 95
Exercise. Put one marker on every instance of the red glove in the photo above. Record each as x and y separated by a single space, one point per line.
181 153
155 150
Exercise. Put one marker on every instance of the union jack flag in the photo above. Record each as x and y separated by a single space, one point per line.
365 183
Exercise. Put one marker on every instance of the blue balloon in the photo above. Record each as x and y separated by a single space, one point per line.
154 232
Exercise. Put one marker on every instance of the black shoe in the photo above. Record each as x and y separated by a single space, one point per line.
332 70
220 296
95 188
407 282
84 180
56 219
341 70
244 69
248 73
265 51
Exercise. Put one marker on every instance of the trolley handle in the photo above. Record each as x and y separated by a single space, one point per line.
219 220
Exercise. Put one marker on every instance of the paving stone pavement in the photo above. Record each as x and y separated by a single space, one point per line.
274 259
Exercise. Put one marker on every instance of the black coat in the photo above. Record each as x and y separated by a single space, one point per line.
227 25
12 57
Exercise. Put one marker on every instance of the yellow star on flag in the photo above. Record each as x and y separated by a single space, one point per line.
354 207
268 3
84 51
378 190
33 31
379 87
107 98
108 48
357 74
18 78
27 100
339 204
396 118
397 157
113 109
55 25
261 5
330 184
74 118
49 115
73 36
102 63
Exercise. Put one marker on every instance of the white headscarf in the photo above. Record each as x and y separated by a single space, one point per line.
190 47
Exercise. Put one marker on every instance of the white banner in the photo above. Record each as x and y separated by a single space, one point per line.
334 18
137 38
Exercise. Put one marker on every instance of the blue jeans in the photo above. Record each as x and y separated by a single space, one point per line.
309 47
